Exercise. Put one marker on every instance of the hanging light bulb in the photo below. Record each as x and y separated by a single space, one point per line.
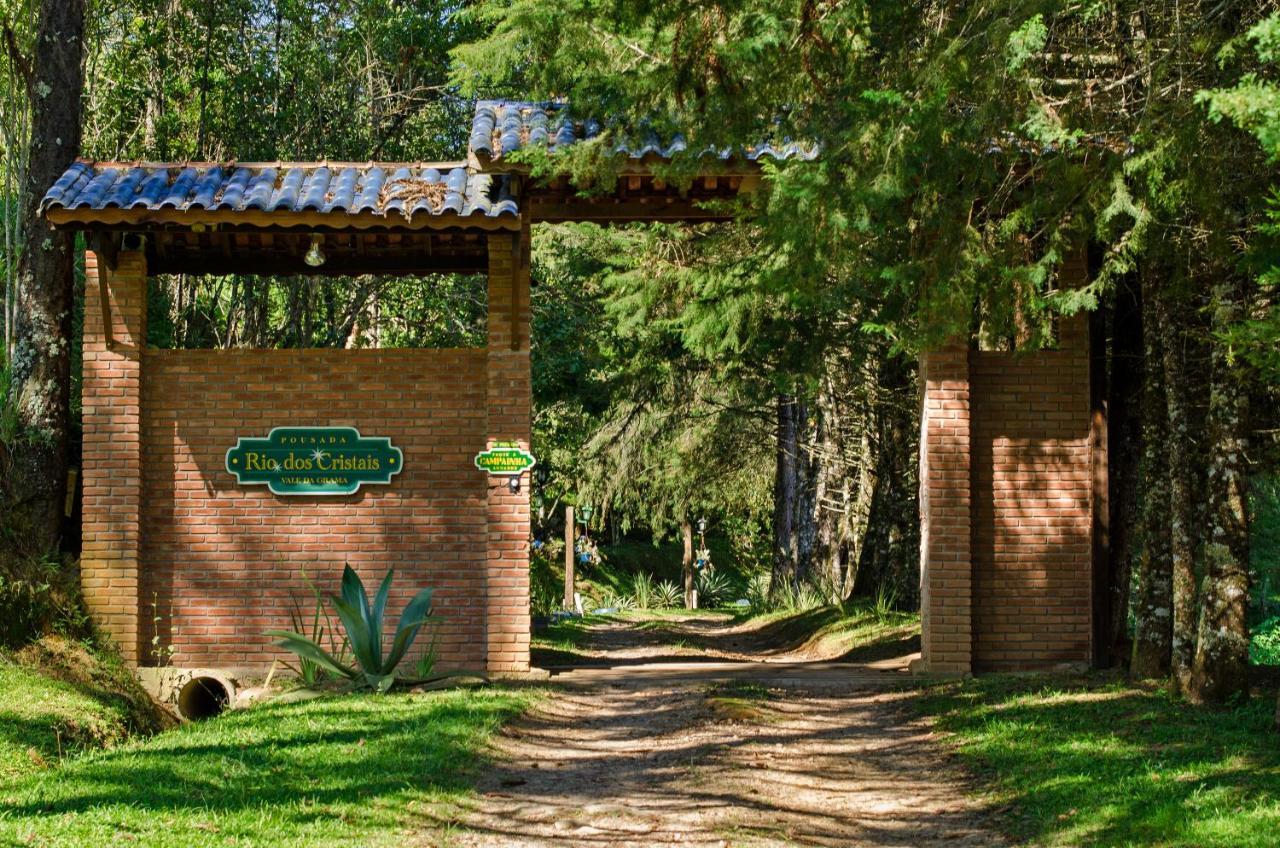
315 256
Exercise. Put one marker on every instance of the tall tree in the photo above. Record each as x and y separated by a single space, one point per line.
1220 665
1153 595
40 370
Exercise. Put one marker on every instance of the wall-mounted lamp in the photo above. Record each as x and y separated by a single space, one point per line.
315 256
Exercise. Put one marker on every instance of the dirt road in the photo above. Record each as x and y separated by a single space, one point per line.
721 765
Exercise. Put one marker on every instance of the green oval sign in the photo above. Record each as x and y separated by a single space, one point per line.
505 458
314 460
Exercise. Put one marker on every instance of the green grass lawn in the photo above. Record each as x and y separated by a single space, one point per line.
355 770
43 720
1091 761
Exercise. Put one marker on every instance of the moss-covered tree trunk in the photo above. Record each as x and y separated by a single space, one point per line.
1170 312
1220 666
1152 601
36 473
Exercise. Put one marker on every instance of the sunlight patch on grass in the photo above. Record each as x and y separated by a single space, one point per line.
1088 761
343 770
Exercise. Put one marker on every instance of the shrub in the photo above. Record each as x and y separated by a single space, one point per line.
1264 646
668 595
642 591
40 598
622 603
713 587
364 624
546 584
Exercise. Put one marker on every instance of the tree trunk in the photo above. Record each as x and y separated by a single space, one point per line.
890 560
1153 618
1124 453
41 366
831 485
686 563
1181 487
794 515
1220 666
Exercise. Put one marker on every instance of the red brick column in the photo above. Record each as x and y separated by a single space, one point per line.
945 570
115 329
509 402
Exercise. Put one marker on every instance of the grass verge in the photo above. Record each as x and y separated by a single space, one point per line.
356 770
59 698
1095 761
855 631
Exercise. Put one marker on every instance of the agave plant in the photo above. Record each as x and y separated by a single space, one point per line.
668 595
364 624
713 587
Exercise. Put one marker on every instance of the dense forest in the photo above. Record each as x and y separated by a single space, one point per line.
760 375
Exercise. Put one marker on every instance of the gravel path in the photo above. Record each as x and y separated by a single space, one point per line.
697 764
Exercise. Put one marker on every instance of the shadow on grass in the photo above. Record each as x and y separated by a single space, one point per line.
1084 762
299 765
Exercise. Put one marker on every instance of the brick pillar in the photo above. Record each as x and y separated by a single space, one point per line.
509 402
115 329
945 568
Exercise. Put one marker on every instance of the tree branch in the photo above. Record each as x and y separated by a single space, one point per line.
16 56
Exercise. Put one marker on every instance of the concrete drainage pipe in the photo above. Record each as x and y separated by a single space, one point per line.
203 697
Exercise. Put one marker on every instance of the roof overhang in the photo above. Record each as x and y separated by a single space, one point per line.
400 218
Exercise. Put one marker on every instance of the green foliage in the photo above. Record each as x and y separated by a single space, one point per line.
885 602
353 770
1087 761
8 410
1264 643
1254 102
1264 545
319 630
668 595
614 601
714 588
38 598
546 580
364 623
642 590
425 666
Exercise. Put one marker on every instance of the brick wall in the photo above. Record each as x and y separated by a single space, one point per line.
1032 485
114 335
223 562
509 397
1009 464
945 510
176 550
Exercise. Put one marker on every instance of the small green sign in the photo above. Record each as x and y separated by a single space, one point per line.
314 460
506 458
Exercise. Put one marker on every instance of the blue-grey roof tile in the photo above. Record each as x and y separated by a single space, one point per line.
501 127
349 190
205 191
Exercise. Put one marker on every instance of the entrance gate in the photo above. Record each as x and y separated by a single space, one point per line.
177 553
